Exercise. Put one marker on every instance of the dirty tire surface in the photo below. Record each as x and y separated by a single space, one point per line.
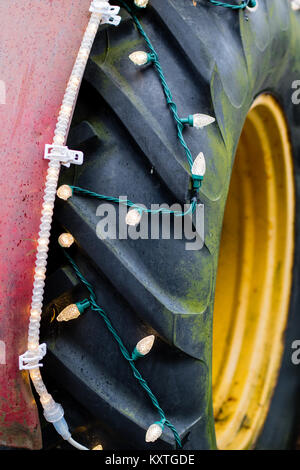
216 62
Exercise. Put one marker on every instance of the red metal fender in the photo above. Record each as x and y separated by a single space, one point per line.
39 42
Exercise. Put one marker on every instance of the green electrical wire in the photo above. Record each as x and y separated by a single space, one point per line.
132 205
244 4
166 89
96 308
153 55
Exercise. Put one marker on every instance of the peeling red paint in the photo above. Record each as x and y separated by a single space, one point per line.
39 42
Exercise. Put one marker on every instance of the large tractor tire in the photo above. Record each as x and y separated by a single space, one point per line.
224 316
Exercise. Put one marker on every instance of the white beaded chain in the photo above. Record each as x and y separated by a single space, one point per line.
58 153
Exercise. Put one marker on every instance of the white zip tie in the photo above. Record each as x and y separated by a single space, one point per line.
109 14
30 360
113 20
63 154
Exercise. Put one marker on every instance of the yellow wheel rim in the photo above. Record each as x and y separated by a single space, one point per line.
254 277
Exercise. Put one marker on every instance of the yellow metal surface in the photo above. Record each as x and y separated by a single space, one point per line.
254 277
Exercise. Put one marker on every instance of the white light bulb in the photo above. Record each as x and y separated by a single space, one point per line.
154 432
69 313
199 165
33 345
59 139
74 81
145 345
66 110
133 217
202 120
64 192
53 172
66 240
83 53
39 273
35 374
141 3
35 314
295 5
47 209
43 241
139 57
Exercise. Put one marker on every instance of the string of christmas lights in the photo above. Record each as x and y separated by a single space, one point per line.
249 4
198 167
198 121
142 348
135 213
141 3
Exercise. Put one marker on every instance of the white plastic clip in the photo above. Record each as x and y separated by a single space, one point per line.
63 154
30 360
109 14
109 19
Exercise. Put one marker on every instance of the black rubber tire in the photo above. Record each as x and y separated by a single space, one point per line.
215 61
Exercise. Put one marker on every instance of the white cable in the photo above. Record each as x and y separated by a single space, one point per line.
53 412
76 444
60 136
